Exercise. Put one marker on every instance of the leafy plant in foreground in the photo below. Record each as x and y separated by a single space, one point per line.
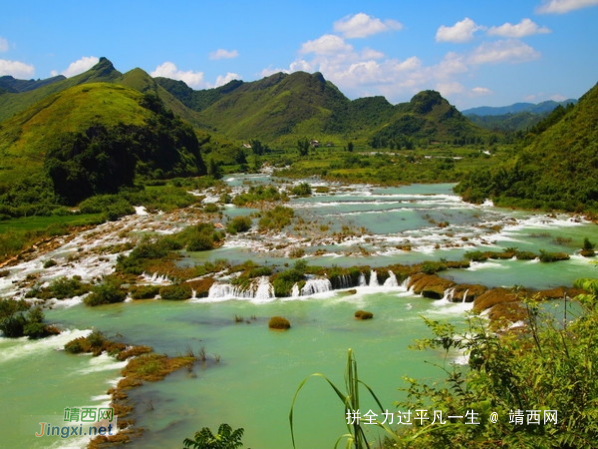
226 438
355 436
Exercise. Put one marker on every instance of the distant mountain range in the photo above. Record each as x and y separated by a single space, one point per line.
541 108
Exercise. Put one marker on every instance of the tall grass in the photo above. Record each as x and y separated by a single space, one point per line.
355 436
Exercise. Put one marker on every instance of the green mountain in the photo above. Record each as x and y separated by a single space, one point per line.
302 104
90 139
12 103
557 169
427 117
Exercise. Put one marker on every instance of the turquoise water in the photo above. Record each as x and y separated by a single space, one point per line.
258 372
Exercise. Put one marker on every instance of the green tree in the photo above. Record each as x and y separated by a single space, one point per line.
350 146
303 147
226 438
547 365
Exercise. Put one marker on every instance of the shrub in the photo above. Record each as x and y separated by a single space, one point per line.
108 292
279 323
303 189
276 219
176 292
364 315
545 256
211 208
49 263
145 292
239 224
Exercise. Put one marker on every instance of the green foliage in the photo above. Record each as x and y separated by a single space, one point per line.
544 367
18 319
176 292
226 438
355 435
145 292
302 189
92 139
239 224
276 219
257 194
303 146
108 292
546 256
283 282
113 206
567 143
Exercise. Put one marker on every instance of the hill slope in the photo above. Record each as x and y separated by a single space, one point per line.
558 169
541 108
12 103
89 139
429 117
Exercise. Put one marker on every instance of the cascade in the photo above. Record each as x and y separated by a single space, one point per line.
295 291
374 279
362 282
264 289
260 289
343 281
391 281
316 285
465 296
405 283
155 279
448 294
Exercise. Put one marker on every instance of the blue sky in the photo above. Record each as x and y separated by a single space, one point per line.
475 52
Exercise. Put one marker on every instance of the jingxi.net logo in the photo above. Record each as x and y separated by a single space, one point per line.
80 422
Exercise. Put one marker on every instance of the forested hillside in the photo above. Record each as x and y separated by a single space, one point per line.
557 168
90 139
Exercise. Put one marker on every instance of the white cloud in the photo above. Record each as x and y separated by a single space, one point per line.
481 91
564 6
3 44
524 28
80 66
512 51
221 80
362 25
224 54
170 70
460 32
17 69
327 44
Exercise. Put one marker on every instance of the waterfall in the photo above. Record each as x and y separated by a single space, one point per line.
295 291
362 282
448 294
341 281
391 281
155 279
316 285
374 279
264 290
465 296
260 289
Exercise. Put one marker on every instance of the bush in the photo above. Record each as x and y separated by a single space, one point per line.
279 323
276 219
145 292
50 263
545 256
239 224
108 292
303 189
176 292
